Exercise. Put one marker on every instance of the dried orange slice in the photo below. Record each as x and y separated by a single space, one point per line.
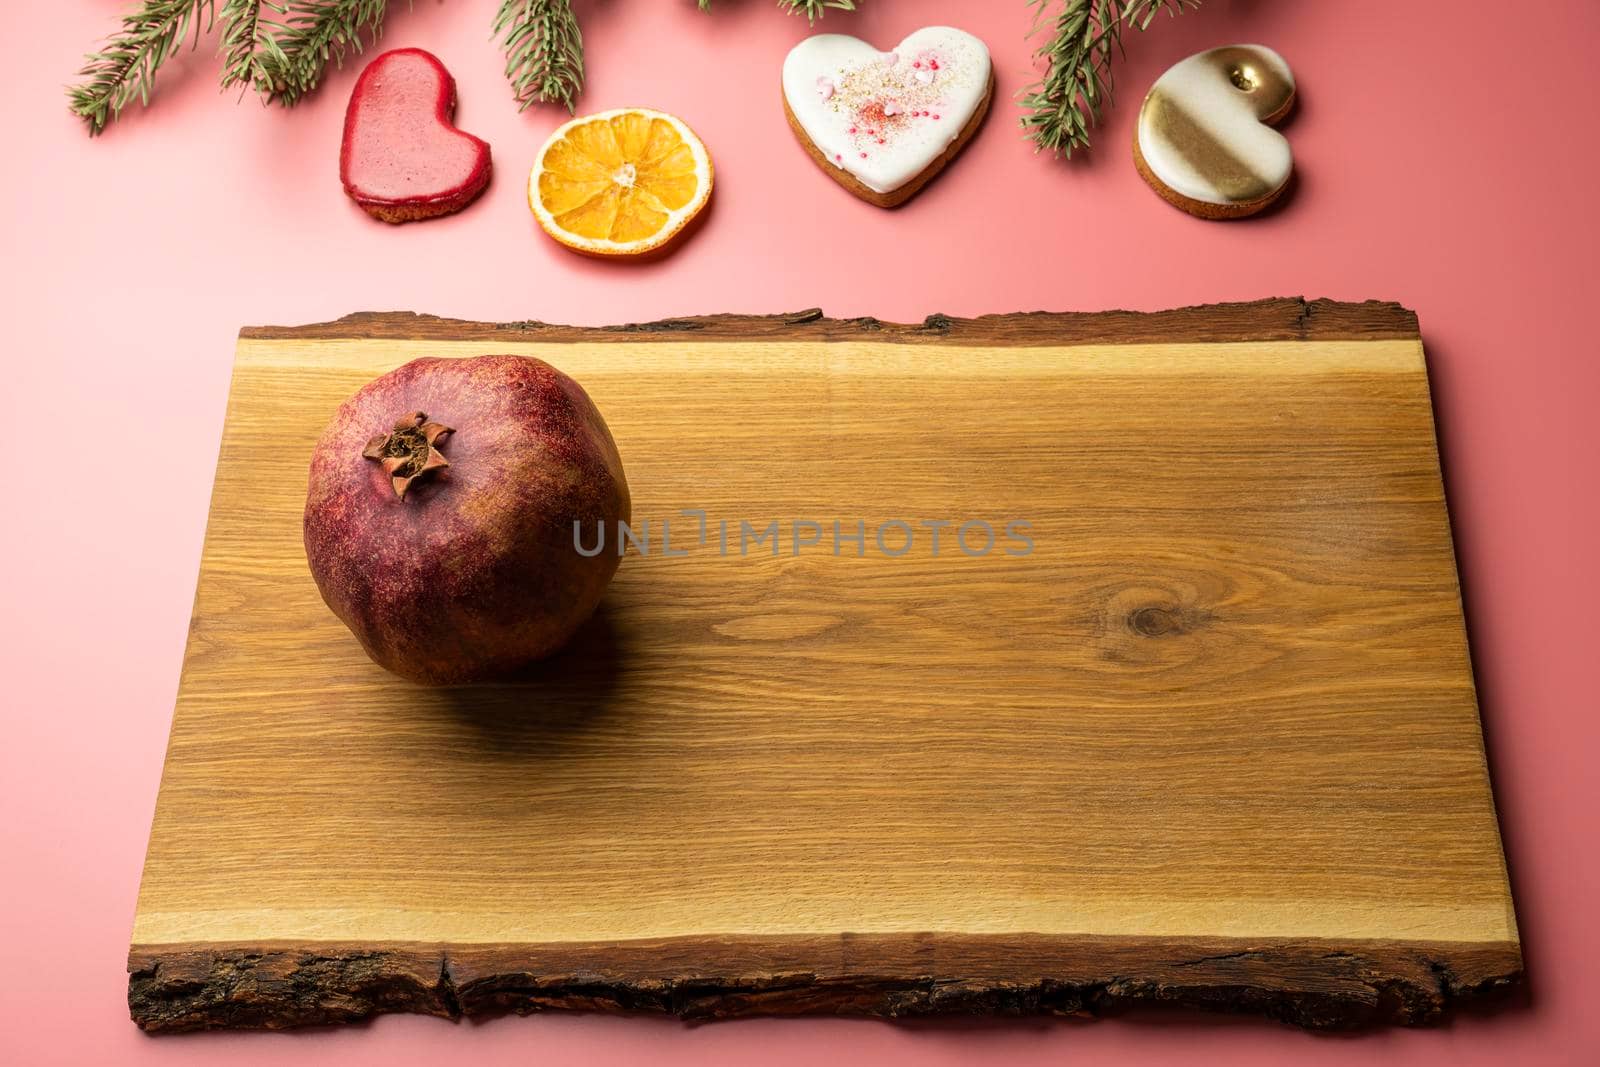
619 183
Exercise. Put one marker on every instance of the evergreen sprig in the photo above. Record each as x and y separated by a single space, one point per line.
811 9
815 9
294 50
243 39
544 51
1086 36
126 66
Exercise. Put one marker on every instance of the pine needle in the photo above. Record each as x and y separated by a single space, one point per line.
243 37
815 9
544 51
1087 36
127 66
291 53
811 9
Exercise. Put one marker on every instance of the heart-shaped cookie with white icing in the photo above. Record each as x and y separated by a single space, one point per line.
883 123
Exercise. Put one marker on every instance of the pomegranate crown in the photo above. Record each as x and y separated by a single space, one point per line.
410 451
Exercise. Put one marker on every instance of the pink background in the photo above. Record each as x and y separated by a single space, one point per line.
1446 159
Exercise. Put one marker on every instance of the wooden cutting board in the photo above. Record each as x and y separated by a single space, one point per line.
1213 740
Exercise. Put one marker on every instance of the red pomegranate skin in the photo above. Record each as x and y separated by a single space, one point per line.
473 573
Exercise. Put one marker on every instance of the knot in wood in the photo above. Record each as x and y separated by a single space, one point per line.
1155 621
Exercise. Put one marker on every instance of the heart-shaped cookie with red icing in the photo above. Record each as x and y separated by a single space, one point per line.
883 123
402 157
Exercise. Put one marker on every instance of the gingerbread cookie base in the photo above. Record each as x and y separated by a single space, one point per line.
416 211
894 197
1200 208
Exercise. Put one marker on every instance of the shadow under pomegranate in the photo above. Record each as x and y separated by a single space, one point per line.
549 706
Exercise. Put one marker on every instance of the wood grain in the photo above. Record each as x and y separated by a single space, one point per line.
1213 741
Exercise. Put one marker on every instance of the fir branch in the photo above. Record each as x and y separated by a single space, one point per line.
815 9
544 51
812 9
1077 84
127 66
243 37
292 53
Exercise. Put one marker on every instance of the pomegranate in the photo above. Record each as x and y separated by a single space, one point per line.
439 516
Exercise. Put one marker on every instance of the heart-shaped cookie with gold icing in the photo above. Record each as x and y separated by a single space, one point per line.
1204 141
882 124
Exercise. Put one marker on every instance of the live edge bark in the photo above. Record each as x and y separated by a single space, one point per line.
1274 319
1308 983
